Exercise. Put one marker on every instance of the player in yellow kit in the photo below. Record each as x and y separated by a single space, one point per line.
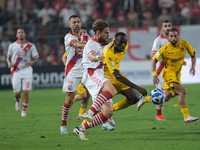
173 54
114 52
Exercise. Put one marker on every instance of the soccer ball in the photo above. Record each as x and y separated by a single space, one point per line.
157 96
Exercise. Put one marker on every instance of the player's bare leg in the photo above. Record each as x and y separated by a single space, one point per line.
17 97
178 88
85 97
132 98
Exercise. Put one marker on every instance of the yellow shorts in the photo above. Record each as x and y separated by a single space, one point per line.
169 78
117 84
80 89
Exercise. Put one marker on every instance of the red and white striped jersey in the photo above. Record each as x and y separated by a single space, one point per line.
74 55
16 52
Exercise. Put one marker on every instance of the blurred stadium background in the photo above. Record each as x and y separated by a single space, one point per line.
46 23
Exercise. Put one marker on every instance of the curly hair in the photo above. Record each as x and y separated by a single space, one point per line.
99 24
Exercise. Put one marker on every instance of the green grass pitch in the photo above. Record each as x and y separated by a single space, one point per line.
135 130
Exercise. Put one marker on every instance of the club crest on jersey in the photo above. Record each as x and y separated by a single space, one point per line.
69 87
79 51
21 54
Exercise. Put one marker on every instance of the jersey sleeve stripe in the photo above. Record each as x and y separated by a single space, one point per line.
91 51
36 56
153 51
71 42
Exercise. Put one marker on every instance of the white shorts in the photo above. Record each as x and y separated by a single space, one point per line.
19 84
161 82
94 83
71 84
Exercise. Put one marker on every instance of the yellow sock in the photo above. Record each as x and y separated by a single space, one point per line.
84 121
121 105
147 99
184 110
82 111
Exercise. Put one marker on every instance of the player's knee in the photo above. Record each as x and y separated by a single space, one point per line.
109 113
17 95
133 99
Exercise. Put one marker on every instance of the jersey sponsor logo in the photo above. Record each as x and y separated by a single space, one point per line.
157 55
175 60
21 54
112 64
70 82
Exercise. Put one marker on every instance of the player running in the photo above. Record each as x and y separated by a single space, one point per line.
160 41
100 88
114 52
173 54
21 56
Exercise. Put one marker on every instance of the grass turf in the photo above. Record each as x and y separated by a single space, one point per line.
136 130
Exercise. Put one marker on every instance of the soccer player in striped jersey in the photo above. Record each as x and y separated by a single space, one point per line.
173 54
74 43
83 94
21 56
100 88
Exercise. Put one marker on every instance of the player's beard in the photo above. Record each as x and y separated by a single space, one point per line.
173 43
21 38
167 32
77 29
102 40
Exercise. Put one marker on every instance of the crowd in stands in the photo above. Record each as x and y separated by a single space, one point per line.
46 21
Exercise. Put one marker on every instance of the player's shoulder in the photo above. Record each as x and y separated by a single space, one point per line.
183 41
85 35
109 46
160 38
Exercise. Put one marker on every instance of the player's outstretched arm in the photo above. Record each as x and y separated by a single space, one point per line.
94 58
122 79
78 44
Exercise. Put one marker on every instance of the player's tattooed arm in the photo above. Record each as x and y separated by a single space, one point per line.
33 61
9 62
77 44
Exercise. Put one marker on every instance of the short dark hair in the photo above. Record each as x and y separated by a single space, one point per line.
166 21
173 30
99 24
73 16
120 33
